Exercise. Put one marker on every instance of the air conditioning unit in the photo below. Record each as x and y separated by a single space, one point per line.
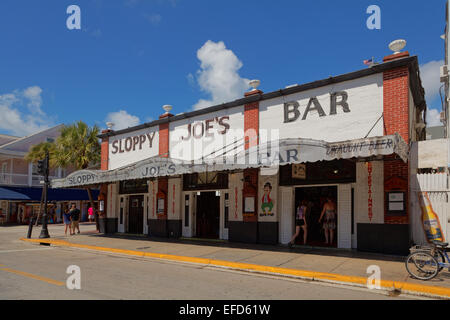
444 73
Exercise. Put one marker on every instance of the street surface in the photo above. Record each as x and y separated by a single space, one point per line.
29 271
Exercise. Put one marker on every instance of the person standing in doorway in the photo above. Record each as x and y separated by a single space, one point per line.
75 218
329 224
300 222
67 222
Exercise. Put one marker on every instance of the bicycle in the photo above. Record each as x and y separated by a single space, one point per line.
425 262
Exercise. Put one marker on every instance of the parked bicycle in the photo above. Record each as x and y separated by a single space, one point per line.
425 262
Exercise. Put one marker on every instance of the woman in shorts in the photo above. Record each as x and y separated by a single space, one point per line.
67 222
91 214
300 222
329 224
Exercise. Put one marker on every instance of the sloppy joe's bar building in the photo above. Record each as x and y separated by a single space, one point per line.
239 170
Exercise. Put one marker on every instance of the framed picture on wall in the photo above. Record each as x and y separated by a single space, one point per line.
249 205
395 202
299 171
161 205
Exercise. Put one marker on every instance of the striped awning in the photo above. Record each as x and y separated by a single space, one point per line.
271 154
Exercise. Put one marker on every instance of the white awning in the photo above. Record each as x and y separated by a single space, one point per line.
266 155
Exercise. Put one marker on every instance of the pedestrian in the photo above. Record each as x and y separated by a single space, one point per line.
91 214
75 218
300 222
67 222
329 224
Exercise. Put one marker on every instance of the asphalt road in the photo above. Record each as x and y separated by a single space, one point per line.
30 271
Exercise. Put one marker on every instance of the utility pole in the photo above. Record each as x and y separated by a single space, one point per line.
44 231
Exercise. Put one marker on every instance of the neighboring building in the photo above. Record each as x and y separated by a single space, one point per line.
20 185
434 133
205 173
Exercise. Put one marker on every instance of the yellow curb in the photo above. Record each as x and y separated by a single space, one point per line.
310 275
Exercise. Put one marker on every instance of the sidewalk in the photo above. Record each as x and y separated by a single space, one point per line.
330 265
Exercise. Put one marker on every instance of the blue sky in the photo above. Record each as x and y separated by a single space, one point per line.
133 56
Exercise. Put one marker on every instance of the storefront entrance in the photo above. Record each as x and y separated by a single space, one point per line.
136 215
316 197
208 215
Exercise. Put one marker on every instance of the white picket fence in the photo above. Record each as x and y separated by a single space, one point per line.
437 186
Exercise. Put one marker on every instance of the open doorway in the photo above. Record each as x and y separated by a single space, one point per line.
315 198
136 215
208 215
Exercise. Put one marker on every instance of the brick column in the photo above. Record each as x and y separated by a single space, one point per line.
396 120
163 182
103 195
104 164
251 139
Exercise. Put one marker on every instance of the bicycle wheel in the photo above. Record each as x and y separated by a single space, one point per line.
422 266
440 258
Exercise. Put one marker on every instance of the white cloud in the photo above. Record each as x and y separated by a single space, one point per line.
33 94
433 118
122 120
429 73
20 121
218 75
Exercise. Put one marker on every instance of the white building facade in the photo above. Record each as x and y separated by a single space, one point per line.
238 171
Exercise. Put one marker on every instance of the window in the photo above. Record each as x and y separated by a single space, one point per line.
207 178
4 170
205 181
133 186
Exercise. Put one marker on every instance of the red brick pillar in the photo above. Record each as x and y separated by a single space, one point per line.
396 120
251 139
163 182
104 164
103 195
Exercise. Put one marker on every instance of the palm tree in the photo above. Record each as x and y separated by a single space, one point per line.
38 151
78 146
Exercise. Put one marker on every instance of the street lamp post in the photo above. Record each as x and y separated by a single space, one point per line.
44 231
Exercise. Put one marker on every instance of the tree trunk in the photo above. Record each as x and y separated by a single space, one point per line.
91 201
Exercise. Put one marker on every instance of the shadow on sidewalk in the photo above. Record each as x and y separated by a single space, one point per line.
332 252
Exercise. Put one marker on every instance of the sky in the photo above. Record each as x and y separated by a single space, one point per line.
131 57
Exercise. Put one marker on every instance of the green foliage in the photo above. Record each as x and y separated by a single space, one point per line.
38 151
77 146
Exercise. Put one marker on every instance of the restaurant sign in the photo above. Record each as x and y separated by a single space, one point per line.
79 178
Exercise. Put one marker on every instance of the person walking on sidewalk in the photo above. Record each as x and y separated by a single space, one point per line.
75 218
67 222
329 224
300 222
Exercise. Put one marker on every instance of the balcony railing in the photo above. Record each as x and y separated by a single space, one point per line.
22 180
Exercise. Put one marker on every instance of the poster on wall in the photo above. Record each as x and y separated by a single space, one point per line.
267 204
430 220
161 206
249 204
299 171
